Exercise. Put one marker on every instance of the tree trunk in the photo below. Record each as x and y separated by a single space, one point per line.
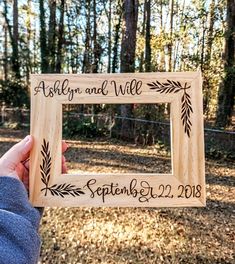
128 47
206 66
52 36
14 36
5 62
59 61
43 39
96 46
227 87
148 38
170 46
161 66
109 35
116 39
9 28
15 51
202 43
35 63
71 61
87 57
180 44
29 37
143 34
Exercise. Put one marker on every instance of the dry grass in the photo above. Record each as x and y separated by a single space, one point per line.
138 235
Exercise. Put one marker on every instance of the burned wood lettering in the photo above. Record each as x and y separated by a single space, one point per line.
58 88
141 190
131 88
185 186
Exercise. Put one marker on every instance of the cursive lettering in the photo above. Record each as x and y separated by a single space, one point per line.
101 90
58 88
144 192
131 88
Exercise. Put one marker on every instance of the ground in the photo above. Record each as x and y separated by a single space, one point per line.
138 235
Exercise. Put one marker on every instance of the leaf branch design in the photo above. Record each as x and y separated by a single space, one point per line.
65 189
45 169
186 105
46 164
167 87
186 110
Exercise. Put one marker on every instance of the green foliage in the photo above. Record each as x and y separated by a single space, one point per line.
14 93
74 128
219 146
150 111
215 153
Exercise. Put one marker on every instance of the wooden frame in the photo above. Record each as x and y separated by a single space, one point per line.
185 186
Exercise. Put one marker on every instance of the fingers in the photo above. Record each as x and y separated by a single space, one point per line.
64 166
64 146
25 180
18 153
25 163
22 171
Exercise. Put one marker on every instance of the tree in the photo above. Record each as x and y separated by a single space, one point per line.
170 45
87 52
95 42
227 87
28 63
109 16
128 47
60 38
14 37
43 39
15 52
52 36
5 60
148 37
207 58
72 49
117 37
143 36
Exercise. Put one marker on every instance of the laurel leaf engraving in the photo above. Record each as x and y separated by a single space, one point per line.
186 105
45 169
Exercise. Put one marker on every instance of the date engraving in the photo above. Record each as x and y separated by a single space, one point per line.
143 191
188 191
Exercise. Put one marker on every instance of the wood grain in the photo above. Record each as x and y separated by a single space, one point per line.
184 187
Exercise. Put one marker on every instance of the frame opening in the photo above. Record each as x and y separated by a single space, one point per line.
97 143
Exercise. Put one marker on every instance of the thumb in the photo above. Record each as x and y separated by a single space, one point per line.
14 156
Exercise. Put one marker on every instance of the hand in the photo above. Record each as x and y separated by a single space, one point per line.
15 162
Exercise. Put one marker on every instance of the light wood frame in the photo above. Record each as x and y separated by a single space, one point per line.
185 186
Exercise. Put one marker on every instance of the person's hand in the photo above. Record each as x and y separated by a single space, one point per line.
15 162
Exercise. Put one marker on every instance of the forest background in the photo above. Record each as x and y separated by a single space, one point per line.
96 36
